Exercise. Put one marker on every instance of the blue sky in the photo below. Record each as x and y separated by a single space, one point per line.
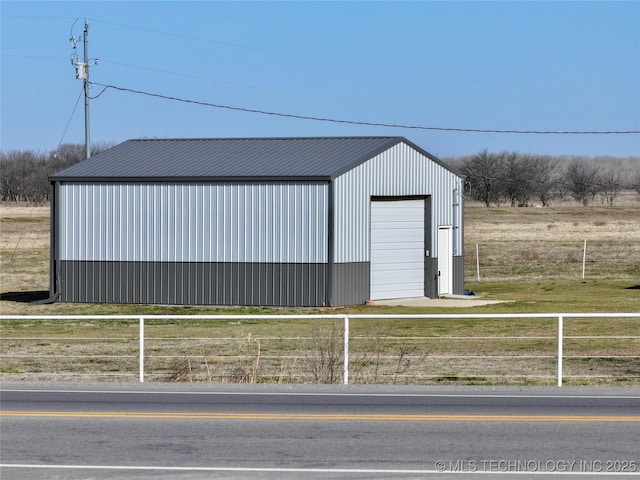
552 66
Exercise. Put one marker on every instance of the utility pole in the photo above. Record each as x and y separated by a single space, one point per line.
87 136
82 73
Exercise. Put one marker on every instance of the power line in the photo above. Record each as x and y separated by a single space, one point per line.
314 58
40 57
355 122
281 91
376 67
71 117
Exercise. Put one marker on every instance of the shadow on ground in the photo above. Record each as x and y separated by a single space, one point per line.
24 297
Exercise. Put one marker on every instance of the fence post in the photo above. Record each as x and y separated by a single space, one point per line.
141 334
560 340
345 364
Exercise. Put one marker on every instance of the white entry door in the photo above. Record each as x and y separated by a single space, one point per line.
445 260
397 249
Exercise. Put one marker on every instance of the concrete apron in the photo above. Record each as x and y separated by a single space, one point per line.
448 301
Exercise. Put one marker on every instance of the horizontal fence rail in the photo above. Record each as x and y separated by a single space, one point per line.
330 354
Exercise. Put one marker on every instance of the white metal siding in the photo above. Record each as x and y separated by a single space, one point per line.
397 249
194 222
399 171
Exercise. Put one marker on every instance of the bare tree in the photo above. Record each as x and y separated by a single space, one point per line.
520 178
583 180
21 173
509 176
482 172
610 186
517 178
24 174
545 184
8 176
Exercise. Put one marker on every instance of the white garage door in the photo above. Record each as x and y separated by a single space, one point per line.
397 249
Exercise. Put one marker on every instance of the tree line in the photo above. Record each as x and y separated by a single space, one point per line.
24 173
504 178
511 178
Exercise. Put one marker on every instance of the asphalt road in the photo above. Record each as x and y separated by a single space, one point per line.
198 431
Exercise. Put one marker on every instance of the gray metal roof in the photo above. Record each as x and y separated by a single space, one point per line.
230 159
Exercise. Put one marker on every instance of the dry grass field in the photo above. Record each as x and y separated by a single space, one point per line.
534 243
531 257
24 248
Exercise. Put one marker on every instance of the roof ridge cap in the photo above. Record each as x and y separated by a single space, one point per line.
209 139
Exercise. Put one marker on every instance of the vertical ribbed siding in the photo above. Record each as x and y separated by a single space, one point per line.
350 283
194 222
180 283
399 171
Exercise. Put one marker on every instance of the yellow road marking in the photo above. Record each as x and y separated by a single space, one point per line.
329 416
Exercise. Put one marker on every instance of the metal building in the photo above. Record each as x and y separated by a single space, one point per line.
256 221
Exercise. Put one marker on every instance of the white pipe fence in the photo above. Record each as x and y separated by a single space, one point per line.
345 318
